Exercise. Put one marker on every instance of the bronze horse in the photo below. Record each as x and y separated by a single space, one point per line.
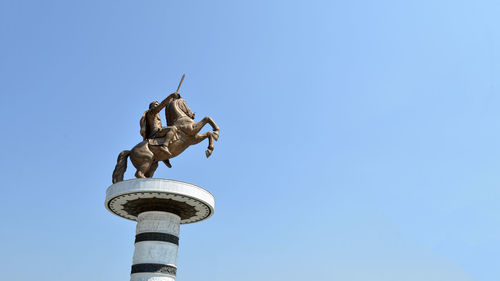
146 154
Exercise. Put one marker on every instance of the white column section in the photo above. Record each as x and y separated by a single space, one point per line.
156 252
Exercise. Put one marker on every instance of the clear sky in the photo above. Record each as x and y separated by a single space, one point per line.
359 139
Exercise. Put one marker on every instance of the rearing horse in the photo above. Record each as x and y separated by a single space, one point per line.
184 132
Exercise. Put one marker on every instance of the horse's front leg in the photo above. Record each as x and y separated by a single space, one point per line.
201 137
215 128
198 126
195 128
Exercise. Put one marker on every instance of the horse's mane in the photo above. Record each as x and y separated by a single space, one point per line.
176 109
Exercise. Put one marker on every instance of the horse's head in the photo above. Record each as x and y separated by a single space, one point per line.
185 108
177 109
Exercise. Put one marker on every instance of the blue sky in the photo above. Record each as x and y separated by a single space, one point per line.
359 139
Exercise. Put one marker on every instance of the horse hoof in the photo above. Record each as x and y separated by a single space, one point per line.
216 135
208 153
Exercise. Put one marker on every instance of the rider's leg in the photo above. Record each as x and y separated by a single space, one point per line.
168 133
161 132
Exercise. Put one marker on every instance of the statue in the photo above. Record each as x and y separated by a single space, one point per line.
163 143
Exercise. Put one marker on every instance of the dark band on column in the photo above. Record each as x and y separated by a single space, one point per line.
157 236
154 268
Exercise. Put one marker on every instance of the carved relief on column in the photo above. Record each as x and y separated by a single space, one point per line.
158 222
155 252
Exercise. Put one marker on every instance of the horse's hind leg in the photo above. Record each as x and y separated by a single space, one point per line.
142 170
151 171
143 167
142 158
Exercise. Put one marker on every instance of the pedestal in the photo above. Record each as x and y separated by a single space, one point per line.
159 206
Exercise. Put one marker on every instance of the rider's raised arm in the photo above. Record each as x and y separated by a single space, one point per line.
165 102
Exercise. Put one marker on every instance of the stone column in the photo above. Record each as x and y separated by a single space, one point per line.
159 206
156 244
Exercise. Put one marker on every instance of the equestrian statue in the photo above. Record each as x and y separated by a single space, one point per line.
163 143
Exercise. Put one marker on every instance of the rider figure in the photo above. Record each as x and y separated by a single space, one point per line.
151 127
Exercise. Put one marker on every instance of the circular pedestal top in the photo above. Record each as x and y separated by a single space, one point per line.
129 198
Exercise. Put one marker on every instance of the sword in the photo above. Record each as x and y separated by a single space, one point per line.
180 83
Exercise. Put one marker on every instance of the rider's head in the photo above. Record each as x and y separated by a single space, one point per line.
153 104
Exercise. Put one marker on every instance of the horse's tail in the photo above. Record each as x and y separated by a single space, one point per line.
121 166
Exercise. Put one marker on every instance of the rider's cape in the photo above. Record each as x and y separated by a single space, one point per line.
143 124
